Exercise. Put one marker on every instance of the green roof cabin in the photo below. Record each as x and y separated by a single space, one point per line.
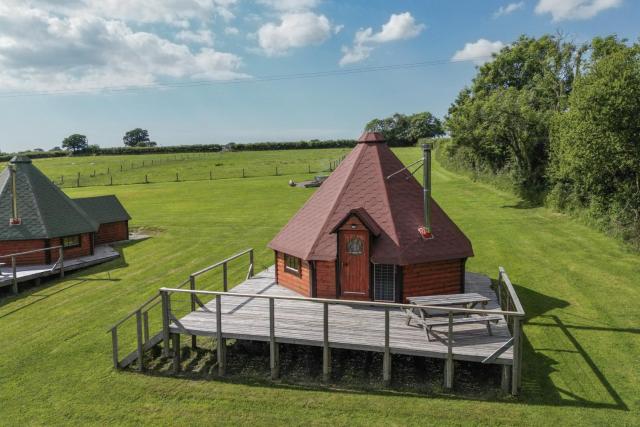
35 214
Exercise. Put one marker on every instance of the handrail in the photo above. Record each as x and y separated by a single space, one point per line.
141 307
347 302
512 292
30 252
219 263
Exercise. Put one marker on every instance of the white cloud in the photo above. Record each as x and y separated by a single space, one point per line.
561 10
295 30
46 51
479 52
508 9
204 37
399 27
231 31
290 5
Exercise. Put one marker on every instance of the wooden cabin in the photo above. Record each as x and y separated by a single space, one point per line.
38 215
372 232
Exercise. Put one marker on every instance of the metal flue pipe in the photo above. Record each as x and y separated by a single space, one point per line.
15 219
426 181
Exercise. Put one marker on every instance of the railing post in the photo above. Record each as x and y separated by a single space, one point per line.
448 364
165 321
326 350
140 349
250 263
14 287
145 324
114 343
224 276
516 369
61 260
220 341
386 360
274 354
192 286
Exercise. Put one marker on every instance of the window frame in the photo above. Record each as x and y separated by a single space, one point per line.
68 246
292 270
360 242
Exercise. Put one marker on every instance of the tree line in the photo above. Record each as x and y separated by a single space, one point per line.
562 122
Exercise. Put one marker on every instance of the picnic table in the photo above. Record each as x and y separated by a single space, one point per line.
428 318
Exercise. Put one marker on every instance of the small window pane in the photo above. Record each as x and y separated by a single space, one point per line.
354 246
292 263
384 278
71 241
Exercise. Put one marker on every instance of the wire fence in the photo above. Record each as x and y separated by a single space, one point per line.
160 171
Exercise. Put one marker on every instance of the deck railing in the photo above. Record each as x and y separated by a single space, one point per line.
59 264
510 378
144 340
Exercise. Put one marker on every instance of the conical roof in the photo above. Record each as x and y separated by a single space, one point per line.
45 211
360 185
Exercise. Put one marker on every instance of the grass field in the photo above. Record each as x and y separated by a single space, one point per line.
579 288
157 168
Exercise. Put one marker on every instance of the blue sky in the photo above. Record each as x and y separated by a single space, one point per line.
60 60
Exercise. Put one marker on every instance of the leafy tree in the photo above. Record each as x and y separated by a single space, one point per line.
503 118
56 148
595 143
406 130
75 143
138 138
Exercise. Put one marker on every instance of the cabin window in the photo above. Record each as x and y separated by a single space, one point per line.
71 241
384 282
292 264
354 246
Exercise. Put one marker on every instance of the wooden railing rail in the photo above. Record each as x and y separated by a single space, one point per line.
141 313
14 264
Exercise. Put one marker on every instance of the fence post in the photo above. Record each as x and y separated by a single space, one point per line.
224 276
220 341
146 179
192 286
114 343
309 167
14 287
140 349
448 364
210 174
61 260
386 360
326 350
110 179
250 263
177 178
274 353
165 322
62 180
243 172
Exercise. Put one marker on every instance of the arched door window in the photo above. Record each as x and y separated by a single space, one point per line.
355 246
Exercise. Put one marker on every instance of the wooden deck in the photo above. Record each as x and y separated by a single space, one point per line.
350 327
102 253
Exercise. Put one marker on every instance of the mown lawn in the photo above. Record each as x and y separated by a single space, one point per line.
579 288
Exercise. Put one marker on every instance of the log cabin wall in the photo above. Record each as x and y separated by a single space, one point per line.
297 282
433 278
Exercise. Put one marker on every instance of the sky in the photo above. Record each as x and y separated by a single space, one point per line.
219 71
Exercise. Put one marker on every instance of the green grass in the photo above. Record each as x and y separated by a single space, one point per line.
156 168
579 288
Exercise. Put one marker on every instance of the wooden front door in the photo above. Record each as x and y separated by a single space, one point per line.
354 264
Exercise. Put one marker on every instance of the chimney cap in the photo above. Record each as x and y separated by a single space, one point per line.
371 137
20 159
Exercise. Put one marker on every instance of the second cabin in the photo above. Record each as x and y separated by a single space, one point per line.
372 232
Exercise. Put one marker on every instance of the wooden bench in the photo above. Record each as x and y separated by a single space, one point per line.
429 322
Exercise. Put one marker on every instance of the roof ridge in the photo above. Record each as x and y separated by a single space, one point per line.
347 182
395 239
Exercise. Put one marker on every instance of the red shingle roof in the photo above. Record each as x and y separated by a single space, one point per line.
394 205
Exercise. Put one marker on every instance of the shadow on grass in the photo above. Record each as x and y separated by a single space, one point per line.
71 280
